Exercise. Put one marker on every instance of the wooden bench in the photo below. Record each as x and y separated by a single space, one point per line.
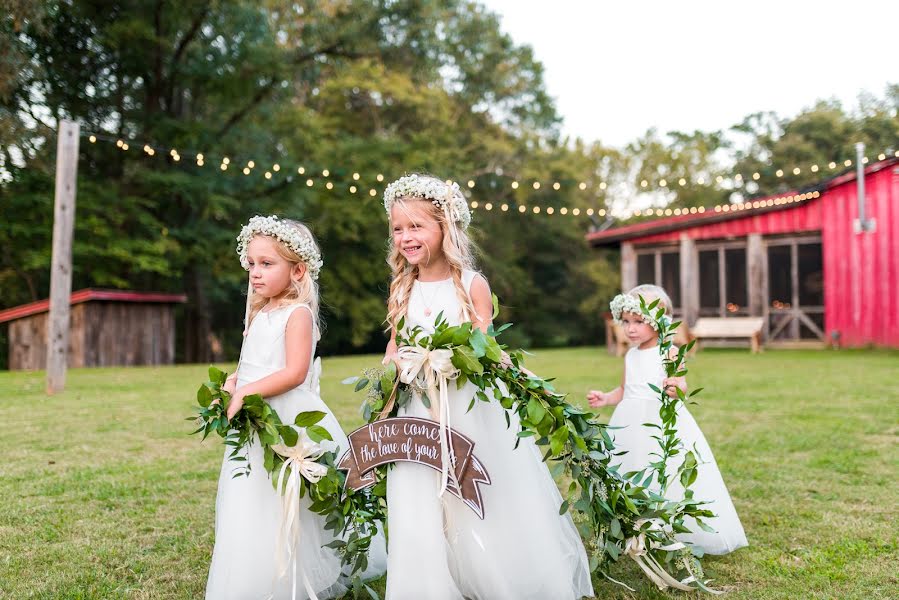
749 328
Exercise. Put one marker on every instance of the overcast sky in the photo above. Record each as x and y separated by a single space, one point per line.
616 69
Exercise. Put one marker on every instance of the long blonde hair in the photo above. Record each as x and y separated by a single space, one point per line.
458 249
302 291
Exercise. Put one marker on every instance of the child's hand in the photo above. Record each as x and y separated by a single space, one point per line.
671 385
235 404
597 398
230 384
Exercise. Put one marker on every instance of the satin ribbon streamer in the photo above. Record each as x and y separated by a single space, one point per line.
300 462
636 548
434 369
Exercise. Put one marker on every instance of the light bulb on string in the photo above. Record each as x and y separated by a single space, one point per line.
514 185
352 189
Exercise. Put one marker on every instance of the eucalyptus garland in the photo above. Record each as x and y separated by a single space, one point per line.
622 514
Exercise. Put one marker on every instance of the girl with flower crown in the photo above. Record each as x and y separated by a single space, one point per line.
254 557
637 404
438 547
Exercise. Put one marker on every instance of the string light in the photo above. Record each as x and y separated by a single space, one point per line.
522 208
557 186
268 174
251 164
582 186
372 192
550 210
93 139
301 170
309 183
779 173
536 185
504 207
488 206
536 210
246 170
355 176
352 189
471 183
682 181
226 161
326 172
663 183
474 203
380 177
329 185
602 185
576 211
563 211
514 185
276 167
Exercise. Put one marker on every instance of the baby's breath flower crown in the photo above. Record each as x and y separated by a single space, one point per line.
449 197
623 303
284 232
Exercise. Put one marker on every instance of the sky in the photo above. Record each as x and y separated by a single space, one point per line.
616 69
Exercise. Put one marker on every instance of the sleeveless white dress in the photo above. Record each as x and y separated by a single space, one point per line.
640 404
438 548
248 509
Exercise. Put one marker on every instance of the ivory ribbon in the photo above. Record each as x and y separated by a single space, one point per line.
636 548
300 461
433 368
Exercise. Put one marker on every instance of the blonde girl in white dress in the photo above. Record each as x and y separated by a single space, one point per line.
636 403
276 362
438 548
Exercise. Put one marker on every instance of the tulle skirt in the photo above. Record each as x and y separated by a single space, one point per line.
248 523
636 440
522 549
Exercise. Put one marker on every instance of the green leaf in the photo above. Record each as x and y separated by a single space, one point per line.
363 381
495 302
289 435
204 396
564 507
318 433
478 342
536 412
465 360
308 418
217 375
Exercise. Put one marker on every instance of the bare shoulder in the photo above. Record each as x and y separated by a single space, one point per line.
479 287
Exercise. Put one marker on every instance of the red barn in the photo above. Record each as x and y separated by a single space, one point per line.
801 260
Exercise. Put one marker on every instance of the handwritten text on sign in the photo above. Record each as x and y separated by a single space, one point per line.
410 439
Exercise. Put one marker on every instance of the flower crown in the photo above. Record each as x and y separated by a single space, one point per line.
286 233
446 196
623 303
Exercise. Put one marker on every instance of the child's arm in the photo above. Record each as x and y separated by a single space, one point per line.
298 352
482 301
670 383
390 352
599 399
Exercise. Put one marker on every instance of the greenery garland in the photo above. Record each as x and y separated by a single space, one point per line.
621 514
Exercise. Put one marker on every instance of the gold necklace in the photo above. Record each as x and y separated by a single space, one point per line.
433 296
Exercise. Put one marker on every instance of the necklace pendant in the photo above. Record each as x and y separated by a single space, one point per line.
427 312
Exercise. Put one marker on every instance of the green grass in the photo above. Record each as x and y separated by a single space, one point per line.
104 495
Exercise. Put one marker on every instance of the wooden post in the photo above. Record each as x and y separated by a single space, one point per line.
61 262
689 280
756 261
628 267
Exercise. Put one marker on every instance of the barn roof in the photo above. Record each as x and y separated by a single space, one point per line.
87 295
750 208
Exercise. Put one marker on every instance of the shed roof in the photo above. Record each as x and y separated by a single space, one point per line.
87 295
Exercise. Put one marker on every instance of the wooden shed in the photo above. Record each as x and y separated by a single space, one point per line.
107 328
800 260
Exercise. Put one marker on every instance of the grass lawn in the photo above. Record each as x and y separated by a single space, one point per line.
104 495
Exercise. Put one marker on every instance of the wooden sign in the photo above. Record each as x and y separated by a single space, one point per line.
410 439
